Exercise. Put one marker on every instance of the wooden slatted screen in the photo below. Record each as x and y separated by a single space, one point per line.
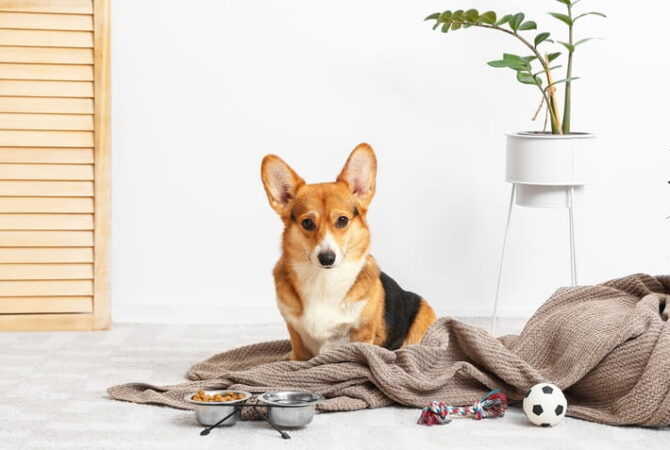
54 164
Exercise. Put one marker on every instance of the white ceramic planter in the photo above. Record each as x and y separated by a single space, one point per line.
544 166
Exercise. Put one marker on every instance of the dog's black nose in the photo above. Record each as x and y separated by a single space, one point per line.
327 258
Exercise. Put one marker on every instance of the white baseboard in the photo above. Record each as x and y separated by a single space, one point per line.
194 313
125 312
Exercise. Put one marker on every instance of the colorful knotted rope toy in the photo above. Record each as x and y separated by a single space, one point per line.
437 413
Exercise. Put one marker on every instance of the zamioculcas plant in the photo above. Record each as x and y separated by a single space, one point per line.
526 72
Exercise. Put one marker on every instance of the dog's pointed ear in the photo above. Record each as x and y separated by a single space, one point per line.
359 173
280 182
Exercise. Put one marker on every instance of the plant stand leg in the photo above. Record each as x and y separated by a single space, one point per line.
573 256
502 259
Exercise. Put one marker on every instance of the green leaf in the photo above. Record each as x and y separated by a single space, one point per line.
553 56
506 18
562 17
513 57
510 65
445 26
581 41
456 19
570 47
563 81
525 78
498 63
433 16
471 15
565 2
514 62
530 25
592 13
444 17
489 17
541 38
515 21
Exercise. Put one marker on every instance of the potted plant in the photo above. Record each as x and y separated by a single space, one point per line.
545 166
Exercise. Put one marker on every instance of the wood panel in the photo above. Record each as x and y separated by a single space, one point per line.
46 205
46 255
47 38
32 305
54 164
46 221
48 189
42 88
46 271
46 238
66 122
46 155
72 72
45 55
46 105
38 288
46 171
18 138
48 6
32 21
102 166
46 322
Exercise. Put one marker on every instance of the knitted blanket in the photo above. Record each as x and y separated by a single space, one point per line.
607 346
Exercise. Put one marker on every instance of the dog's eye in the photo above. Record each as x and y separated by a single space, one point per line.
308 224
341 222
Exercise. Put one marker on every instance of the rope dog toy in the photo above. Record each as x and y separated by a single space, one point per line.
437 413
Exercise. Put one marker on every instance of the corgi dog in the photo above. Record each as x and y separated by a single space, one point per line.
330 290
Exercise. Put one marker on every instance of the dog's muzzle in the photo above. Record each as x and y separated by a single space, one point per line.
327 259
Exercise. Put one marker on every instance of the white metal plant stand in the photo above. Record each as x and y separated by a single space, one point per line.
546 171
573 257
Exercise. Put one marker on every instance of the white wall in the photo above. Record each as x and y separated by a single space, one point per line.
201 93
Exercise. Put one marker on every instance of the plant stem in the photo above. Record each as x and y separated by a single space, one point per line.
555 121
552 104
567 102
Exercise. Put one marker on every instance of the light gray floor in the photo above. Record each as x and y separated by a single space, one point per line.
52 395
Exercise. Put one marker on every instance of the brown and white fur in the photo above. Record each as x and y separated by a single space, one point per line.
329 289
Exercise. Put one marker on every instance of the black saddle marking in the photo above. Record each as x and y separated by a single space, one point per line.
400 309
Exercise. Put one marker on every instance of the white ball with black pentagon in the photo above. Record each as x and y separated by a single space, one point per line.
545 405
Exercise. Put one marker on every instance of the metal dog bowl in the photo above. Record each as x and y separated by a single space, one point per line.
209 413
290 409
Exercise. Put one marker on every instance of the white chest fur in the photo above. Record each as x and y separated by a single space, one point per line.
326 319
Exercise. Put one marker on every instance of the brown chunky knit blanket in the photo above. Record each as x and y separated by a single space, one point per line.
607 346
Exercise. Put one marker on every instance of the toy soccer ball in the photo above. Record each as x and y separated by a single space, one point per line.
545 405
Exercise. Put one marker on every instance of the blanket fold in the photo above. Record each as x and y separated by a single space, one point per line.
607 346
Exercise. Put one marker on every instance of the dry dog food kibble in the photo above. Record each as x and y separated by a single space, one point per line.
202 396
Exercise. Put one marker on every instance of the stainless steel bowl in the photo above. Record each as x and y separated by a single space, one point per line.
290 409
209 413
